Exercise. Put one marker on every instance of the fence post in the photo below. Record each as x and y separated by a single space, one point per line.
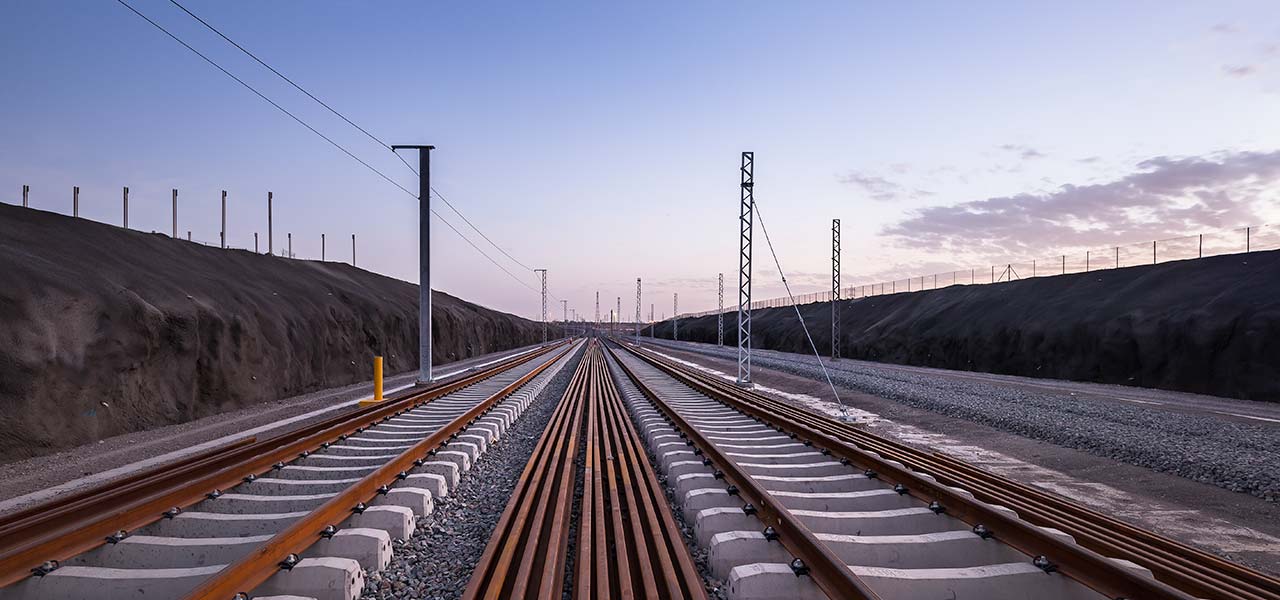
1117 257
1247 240
224 219
75 201
26 189
255 242
1201 253
126 207
993 273
1153 252
291 244
175 213
322 247
353 259
188 235
971 272
1086 260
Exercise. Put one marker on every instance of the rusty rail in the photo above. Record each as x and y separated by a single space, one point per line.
828 571
69 527
252 570
628 543
1180 568
527 553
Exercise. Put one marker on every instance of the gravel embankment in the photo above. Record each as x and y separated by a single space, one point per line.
436 563
1240 457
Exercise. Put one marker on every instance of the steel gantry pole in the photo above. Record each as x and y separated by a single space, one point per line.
618 321
637 324
424 259
720 312
835 289
543 273
564 320
745 221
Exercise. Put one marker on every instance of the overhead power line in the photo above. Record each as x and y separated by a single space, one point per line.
318 133
351 123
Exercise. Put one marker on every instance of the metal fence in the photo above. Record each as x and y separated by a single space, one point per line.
1230 241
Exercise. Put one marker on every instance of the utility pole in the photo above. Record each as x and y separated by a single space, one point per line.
75 201
637 323
322 247
255 242
175 213
619 313
270 244
126 207
424 260
746 219
720 312
543 274
835 289
224 219
290 244
26 189
675 317
353 249
597 308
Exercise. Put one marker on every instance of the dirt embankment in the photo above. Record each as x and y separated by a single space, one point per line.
1209 326
105 331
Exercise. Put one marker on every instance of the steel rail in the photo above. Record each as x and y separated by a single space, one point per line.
1191 570
264 561
534 527
629 545
35 536
826 569
1072 560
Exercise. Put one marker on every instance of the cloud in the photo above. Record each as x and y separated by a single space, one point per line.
881 189
1023 152
1224 28
1239 70
1164 196
1088 160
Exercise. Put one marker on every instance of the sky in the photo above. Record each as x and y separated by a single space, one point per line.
601 141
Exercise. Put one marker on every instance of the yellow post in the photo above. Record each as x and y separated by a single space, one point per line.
377 382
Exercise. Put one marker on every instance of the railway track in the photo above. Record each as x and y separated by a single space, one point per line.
627 543
301 515
795 505
786 504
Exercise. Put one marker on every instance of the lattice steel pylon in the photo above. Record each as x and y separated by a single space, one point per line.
720 313
597 323
675 317
543 273
565 319
637 310
835 289
746 219
618 322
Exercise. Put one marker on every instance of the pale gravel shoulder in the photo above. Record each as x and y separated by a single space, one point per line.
33 474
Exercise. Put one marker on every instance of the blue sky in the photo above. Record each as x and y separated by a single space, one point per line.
601 140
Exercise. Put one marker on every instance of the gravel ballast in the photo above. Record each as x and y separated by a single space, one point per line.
1238 456
436 563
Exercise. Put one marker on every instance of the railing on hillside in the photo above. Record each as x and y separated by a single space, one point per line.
1191 247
